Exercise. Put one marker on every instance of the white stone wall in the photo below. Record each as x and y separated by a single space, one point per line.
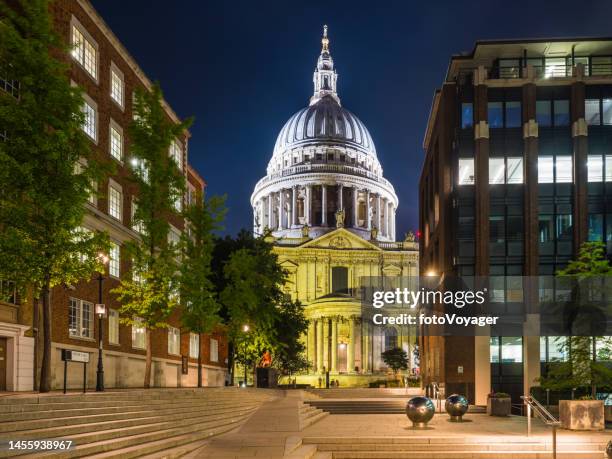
20 357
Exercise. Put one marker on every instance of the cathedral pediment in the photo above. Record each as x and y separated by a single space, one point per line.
340 239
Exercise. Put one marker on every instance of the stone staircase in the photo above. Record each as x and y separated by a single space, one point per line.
127 424
309 414
357 392
501 447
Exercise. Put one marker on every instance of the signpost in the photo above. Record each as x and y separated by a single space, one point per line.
69 355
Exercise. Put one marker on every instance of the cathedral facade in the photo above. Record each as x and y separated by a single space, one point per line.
330 214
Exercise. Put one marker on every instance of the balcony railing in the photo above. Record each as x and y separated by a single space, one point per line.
323 167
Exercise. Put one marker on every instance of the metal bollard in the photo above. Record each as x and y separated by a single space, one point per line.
528 420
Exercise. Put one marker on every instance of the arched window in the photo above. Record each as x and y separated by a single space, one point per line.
339 279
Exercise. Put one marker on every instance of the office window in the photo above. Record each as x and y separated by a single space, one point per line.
563 227
513 114
117 86
497 228
113 326
84 50
214 350
80 318
176 154
591 112
606 111
561 112
546 169
564 169
601 65
116 143
555 67
546 231
174 341
496 171
608 168
114 262
467 115
90 120
595 222
495 114
466 171
511 349
514 170
139 331
136 225
141 168
543 116
194 345
595 168
494 349
115 201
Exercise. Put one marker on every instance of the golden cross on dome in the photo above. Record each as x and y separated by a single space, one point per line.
325 40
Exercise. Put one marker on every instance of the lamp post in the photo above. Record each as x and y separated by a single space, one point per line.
245 329
101 312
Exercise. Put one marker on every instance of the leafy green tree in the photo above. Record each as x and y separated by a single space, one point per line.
288 352
150 295
46 164
584 366
396 359
200 309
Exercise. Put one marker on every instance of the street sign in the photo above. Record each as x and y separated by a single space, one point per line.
75 356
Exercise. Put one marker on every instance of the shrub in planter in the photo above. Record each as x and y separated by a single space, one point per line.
584 414
499 404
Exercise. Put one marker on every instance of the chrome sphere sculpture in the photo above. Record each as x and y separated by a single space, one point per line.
420 410
456 406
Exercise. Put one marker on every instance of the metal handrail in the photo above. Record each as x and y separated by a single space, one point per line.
545 416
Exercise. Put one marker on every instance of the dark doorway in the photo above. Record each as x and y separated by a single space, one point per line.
507 366
3 360
339 279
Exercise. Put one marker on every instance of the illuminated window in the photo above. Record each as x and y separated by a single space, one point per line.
136 225
114 262
84 50
115 201
176 154
113 326
466 171
467 115
116 142
606 111
117 85
591 112
139 334
546 169
495 114
514 170
564 169
555 67
90 120
80 318
194 345
496 171
174 341
214 350
595 168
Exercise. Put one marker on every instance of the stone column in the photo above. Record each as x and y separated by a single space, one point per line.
294 220
340 200
270 208
350 354
334 345
365 348
368 211
308 205
320 344
383 217
389 211
355 206
323 205
378 214
281 213
392 223
311 349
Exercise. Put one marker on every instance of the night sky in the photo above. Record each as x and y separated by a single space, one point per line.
242 68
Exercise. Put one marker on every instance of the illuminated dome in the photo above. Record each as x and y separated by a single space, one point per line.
324 163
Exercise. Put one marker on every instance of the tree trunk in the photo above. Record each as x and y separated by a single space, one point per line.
45 371
593 383
147 375
231 359
35 334
200 361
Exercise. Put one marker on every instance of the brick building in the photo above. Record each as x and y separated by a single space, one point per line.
516 177
108 75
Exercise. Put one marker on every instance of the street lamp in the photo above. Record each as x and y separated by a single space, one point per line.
245 329
101 312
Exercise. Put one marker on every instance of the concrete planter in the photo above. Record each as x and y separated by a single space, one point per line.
499 406
582 414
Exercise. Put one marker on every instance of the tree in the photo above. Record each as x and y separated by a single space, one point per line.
251 293
288 352
396 359
588 274
151 293
46 164
198 295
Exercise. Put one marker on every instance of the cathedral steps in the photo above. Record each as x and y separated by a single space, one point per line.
382 392
452 448
371 406
123 425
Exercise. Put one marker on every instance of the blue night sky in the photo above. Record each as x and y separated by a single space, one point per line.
242 68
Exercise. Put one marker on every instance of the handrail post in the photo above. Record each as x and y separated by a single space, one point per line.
554 441
528 418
